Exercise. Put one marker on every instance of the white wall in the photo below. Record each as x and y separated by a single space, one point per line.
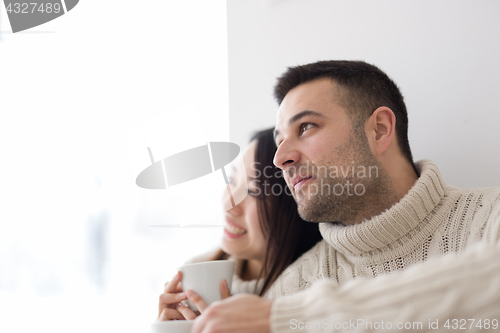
442 54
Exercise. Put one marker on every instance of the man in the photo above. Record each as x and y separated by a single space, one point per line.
401 250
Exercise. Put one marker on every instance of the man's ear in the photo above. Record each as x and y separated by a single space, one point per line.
380 130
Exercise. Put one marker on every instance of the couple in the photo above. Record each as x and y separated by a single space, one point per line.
400 249
263 233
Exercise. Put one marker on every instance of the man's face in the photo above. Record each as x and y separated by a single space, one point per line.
322 156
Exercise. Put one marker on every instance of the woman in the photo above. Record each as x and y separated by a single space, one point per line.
263 233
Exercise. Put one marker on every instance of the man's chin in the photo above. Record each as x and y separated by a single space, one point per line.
301 195
308 214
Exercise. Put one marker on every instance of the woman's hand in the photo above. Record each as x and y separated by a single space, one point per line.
199 302
170 308
169 300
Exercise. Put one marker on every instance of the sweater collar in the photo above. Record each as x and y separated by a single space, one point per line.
240 286
396 231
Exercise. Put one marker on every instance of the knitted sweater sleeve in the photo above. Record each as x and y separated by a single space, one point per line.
455 291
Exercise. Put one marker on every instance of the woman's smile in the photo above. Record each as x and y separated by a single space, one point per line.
232 230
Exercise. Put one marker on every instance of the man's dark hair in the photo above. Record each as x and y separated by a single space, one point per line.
363 88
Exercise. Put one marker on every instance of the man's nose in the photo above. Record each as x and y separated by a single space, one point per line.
286 155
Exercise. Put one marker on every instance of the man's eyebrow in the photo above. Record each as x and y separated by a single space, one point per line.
297 117
303 114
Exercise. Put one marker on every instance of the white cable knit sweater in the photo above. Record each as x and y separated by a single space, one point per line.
433 256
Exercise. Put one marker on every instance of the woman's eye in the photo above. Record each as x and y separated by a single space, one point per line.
305 127
252 193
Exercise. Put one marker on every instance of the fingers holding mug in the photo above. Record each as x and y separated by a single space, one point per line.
174 286
168 300
200 304
224 290
170 314
186 312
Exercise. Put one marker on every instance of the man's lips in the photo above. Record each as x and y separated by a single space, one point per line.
299 181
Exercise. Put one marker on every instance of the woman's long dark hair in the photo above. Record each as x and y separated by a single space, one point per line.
288 236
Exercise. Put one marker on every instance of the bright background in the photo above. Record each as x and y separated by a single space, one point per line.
83 96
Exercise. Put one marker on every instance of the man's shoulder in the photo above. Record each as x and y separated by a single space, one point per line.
318 253
479 208
489 195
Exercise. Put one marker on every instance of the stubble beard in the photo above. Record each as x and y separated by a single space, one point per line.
331 206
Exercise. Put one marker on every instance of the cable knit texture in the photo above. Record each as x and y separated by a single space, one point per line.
241 286
449 235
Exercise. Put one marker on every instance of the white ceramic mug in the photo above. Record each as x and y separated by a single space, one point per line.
172 326
204 278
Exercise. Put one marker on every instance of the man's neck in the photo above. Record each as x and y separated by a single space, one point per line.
400 180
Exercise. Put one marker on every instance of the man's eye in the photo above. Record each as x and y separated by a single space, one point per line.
305 127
